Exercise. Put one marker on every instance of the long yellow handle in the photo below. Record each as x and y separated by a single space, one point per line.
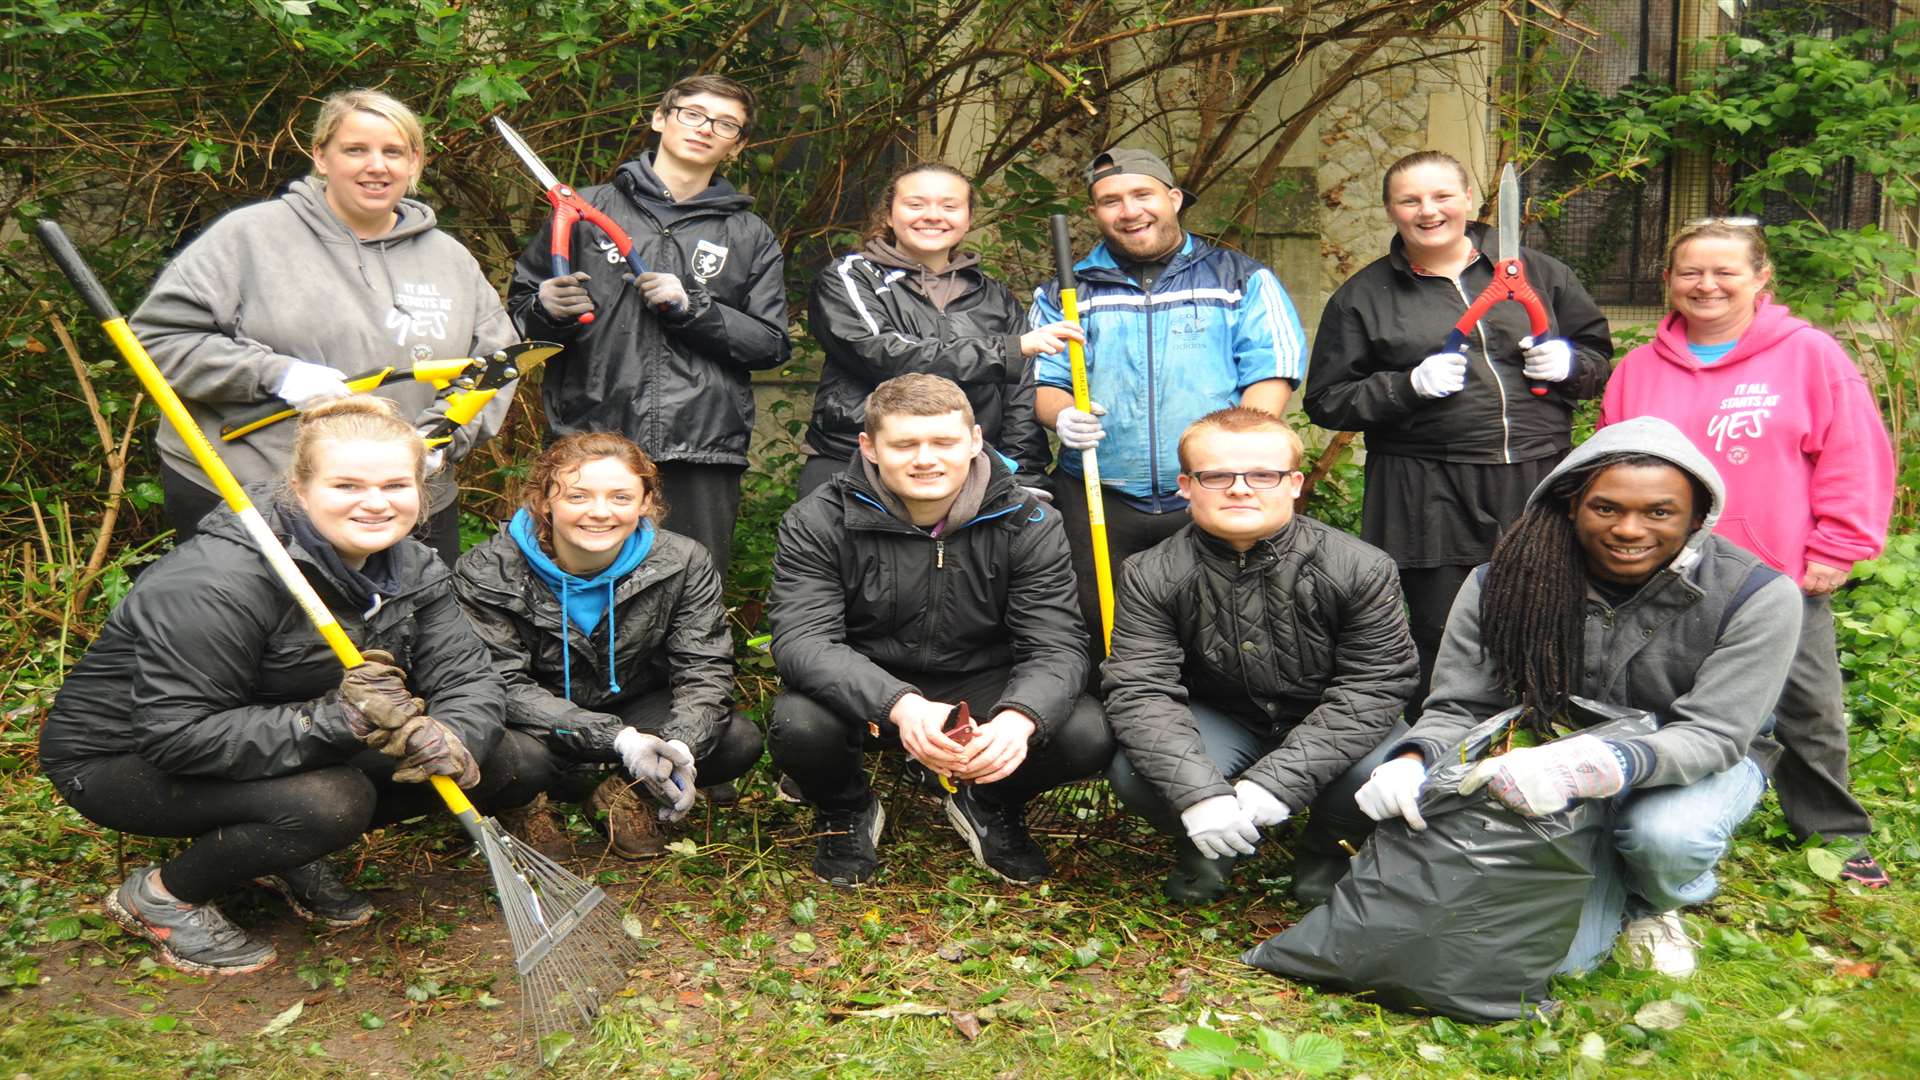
1090 469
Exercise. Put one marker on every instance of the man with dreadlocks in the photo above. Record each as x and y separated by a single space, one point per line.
1612 586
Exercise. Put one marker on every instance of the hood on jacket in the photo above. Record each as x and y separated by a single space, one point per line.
1657 438
411 565
1772 324
639 182
942 286
307 198
582 600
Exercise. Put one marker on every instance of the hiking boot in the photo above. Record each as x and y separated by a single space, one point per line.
720 795
539 826
1315 875
997 835
1660 943
316 894
846 852
1864 870
194 938
788 790
632 828
1195 878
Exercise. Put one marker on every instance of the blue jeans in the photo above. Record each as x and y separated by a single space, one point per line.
1666 843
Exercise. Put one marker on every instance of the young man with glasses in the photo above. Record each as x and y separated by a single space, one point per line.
1260 664
675 333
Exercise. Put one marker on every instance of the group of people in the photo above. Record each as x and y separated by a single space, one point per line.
933 590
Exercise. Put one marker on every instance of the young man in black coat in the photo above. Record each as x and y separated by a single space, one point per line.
676 333
1260 665
920 580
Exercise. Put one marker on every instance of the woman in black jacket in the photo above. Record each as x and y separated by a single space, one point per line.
209 708
911 300
1455 441
611 637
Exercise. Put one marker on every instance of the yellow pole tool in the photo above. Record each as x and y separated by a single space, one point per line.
1089 459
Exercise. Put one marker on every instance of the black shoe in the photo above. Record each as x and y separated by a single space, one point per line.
997 835
846 853
194 938
721 794
316 894
1864 870
1315 875
1196 879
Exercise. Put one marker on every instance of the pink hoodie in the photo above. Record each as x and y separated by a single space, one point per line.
1791 426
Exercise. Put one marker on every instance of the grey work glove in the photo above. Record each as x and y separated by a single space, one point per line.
432 749
663 292
1080 430
376 698
564 298
665 766
1440 375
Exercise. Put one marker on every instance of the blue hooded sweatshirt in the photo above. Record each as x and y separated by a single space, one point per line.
584 601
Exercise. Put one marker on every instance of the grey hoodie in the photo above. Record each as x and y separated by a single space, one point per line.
286 280
1704 645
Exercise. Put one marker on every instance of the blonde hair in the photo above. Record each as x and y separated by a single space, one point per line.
334 110
355 418
1724 229
1241 418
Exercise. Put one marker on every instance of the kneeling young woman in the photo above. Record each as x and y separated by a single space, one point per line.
210 709
612 639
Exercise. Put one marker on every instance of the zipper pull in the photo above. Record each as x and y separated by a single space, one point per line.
939 554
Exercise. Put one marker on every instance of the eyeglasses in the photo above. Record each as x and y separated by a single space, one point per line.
1257 479
693 118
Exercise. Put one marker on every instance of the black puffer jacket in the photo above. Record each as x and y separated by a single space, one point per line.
678 386
1386 319
875 322
669 630
1302 639
208 667
859 596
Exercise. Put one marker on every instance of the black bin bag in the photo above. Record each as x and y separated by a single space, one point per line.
1470 917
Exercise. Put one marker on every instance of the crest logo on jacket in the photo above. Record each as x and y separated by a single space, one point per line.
709 259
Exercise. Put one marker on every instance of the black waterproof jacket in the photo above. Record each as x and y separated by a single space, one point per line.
860 597
669 630
678 386
875 323
1302 639
1386 319
208 668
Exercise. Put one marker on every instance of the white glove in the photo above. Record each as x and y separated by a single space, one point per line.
436 458
1393 790
1080 430
1220 828
1259 804
664 766
1541 780
1549 361
1440 374
663 293
306 385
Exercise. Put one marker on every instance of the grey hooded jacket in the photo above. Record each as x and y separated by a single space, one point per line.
286 280
1704 645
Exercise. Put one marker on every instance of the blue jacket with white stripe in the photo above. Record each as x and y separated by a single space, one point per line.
1215 323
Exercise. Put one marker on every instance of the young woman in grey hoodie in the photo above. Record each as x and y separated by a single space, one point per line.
286 298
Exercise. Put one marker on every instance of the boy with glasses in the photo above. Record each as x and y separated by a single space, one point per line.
1260 665
676 331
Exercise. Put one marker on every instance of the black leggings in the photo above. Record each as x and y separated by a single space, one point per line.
242 829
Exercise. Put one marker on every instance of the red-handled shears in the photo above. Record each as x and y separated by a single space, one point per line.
1509 278
568 208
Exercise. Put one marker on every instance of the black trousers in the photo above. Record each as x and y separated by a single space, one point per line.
703 502
1810 723
1429 591
242 829
728 759
188 502
818 470
1129 532
822 750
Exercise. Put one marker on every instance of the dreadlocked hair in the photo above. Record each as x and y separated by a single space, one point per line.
1534 602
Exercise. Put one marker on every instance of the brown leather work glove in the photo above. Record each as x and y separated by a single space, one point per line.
432 749
376 697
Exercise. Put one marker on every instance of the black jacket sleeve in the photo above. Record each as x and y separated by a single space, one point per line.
1375 673
1043 623
1146 700
807 610
847 317
753 336
699 658
1343 394
453 671
1022 437
1578 319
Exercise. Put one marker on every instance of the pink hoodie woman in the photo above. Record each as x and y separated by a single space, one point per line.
1790 424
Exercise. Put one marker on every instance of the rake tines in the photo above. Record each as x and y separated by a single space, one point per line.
569 944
